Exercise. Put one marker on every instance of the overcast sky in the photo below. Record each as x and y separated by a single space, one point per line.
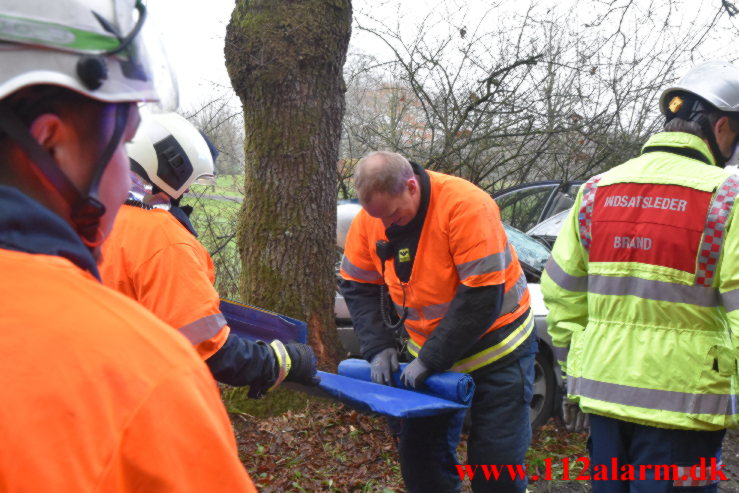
192 31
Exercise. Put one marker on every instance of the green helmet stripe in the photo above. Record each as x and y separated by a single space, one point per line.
54 36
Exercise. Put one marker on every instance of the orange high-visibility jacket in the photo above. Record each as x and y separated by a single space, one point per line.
462 242
151 257
98 395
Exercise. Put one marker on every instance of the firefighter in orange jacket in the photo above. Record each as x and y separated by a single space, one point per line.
154 257
438 244
97 394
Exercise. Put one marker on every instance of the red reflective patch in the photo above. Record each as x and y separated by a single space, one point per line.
648 223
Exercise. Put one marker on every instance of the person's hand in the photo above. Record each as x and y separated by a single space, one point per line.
294 362
302 364
414 374
383 365
573 417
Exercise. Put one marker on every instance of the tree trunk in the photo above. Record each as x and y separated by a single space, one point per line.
285 61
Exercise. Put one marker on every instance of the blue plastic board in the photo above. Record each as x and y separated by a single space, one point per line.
256 323
451 386
382 399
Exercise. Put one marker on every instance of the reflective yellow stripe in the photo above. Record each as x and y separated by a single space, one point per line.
413 348
491 354
283 362
494 353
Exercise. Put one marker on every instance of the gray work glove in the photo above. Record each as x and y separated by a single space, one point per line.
383 365
574 419
415 374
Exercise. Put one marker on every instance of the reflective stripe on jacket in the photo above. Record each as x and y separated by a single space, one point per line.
642 291
462 242
150 257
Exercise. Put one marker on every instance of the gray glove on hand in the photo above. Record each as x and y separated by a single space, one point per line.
575 420
414 374
383 365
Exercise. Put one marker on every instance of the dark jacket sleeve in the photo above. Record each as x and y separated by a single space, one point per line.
363 301
242 362
471 313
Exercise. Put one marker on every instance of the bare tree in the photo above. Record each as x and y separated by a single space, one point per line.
221 120
507 97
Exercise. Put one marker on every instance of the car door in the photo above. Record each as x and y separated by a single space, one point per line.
525 206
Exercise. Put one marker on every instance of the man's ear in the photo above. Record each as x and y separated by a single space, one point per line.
48 130
722 125
412 185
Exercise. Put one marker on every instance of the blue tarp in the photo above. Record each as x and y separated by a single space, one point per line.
451 386
444 392
370 397
256 323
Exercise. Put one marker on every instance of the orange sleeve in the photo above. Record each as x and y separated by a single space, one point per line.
478 243
176 285
179 440
358 261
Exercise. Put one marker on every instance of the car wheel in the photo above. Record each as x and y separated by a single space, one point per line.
545 390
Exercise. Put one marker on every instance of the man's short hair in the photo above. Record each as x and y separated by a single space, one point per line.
381 172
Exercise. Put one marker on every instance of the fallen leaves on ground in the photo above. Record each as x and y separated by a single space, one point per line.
327 447
324 448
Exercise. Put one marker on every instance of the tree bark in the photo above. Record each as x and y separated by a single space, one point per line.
285 61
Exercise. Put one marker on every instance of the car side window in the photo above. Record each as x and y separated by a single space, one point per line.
523 208
562 202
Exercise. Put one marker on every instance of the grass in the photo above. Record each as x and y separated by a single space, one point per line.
215 220
226 185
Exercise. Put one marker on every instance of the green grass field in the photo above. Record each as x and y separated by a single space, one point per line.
226 185
215 220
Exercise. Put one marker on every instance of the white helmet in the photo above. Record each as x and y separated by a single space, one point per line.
345 214
91 47
715 82
708 88
171 153
88 46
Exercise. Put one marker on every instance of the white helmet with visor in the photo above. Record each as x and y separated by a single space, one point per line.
90 47
172 153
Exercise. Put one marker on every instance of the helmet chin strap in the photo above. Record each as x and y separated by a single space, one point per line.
87 209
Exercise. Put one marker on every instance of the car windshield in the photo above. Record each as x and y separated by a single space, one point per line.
530 252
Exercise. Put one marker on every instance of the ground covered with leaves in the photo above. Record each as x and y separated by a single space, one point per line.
326 447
